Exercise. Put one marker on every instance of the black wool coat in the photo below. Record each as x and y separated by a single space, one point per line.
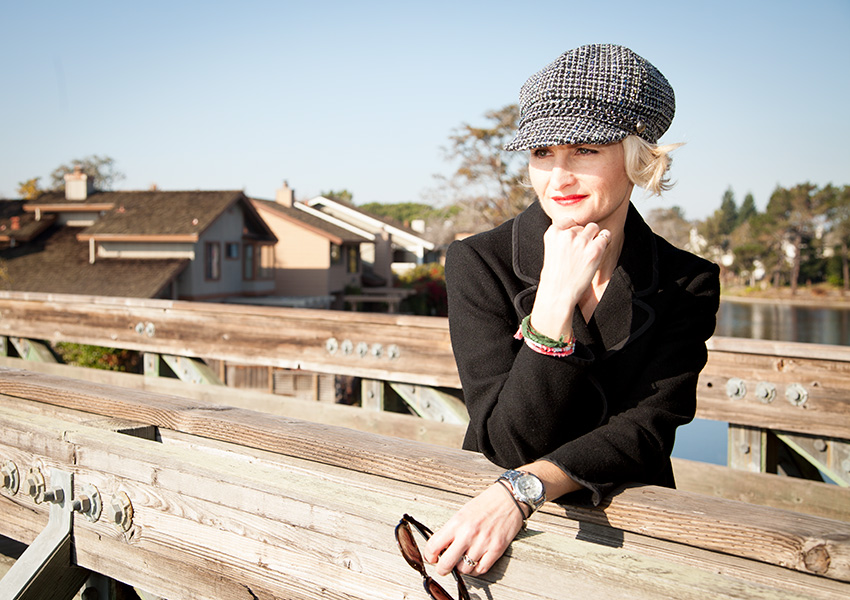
607 414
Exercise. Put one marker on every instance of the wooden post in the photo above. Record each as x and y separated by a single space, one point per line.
151 364
372 394
747 448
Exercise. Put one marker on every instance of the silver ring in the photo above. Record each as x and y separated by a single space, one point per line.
469 561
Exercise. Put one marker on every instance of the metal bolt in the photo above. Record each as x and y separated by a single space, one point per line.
392 351
765 392
140 328
34 484
88 503
736 388
362 349
81 505
377 350
820 445
347 347
331 345
121 511
54 495
150 329
796 394
10 477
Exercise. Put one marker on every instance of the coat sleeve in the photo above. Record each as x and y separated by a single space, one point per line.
524 406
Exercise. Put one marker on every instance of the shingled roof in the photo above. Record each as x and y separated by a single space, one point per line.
56 262
177 215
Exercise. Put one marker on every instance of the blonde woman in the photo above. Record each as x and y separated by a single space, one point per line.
578 333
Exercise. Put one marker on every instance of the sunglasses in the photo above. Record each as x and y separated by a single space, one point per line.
410 552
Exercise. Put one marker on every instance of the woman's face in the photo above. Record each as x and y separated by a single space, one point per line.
585 183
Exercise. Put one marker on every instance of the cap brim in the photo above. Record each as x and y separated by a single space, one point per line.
561 131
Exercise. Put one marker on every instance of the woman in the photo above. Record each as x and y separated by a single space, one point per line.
578 333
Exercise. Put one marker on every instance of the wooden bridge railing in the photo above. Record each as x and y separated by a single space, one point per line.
193 511
229 503
798 392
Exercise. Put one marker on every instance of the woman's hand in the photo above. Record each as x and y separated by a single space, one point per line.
572 257
481 530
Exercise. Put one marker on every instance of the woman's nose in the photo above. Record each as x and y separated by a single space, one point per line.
562 176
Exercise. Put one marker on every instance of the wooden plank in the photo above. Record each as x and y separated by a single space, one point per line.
832 457
786 493
384 423
788 539
267 526
764 489
388 347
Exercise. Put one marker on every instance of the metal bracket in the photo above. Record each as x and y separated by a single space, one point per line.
46 569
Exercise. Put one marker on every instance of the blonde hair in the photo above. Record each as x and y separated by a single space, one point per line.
647 164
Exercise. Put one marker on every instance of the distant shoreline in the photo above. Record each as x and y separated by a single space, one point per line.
805 296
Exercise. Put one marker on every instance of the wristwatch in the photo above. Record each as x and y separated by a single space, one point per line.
526 488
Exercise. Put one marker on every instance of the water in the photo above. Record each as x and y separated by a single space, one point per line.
704 440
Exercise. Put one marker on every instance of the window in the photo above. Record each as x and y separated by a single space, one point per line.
353 262
248 262
212 261
336 254
257 261
266 267
231 250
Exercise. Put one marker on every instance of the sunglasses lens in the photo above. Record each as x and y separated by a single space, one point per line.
436 590
408 547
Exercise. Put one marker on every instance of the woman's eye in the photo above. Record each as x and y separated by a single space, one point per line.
585 151
540 152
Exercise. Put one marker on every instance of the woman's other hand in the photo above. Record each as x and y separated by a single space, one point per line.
481 530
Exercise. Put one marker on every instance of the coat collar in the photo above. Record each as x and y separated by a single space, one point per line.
622 314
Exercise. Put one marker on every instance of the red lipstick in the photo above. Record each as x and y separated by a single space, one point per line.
569 199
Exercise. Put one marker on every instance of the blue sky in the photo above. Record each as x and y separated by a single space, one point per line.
363 95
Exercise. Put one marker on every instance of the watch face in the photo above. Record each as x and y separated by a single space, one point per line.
529 486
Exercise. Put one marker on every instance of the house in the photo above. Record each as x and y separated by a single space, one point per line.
318 258
395 249
192 245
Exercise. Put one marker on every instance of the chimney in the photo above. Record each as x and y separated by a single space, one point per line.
77 185
16 223
285 195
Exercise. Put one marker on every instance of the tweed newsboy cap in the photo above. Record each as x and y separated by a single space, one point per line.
594 94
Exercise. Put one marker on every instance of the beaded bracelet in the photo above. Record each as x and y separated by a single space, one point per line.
543 344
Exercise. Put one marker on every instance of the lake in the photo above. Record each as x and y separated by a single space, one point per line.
705 440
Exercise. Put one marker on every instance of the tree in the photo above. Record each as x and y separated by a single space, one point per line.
839 218
728 213
748 210
101 169
670 223
30 189
798 213
343 196
488 181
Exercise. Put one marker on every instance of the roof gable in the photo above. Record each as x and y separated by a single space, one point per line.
367 220
313 222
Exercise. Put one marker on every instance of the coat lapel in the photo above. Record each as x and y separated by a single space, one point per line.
623 313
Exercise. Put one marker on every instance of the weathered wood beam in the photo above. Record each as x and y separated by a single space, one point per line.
763 489
831 457
788 539
417 350
223 521
32 350
377 346
432 404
